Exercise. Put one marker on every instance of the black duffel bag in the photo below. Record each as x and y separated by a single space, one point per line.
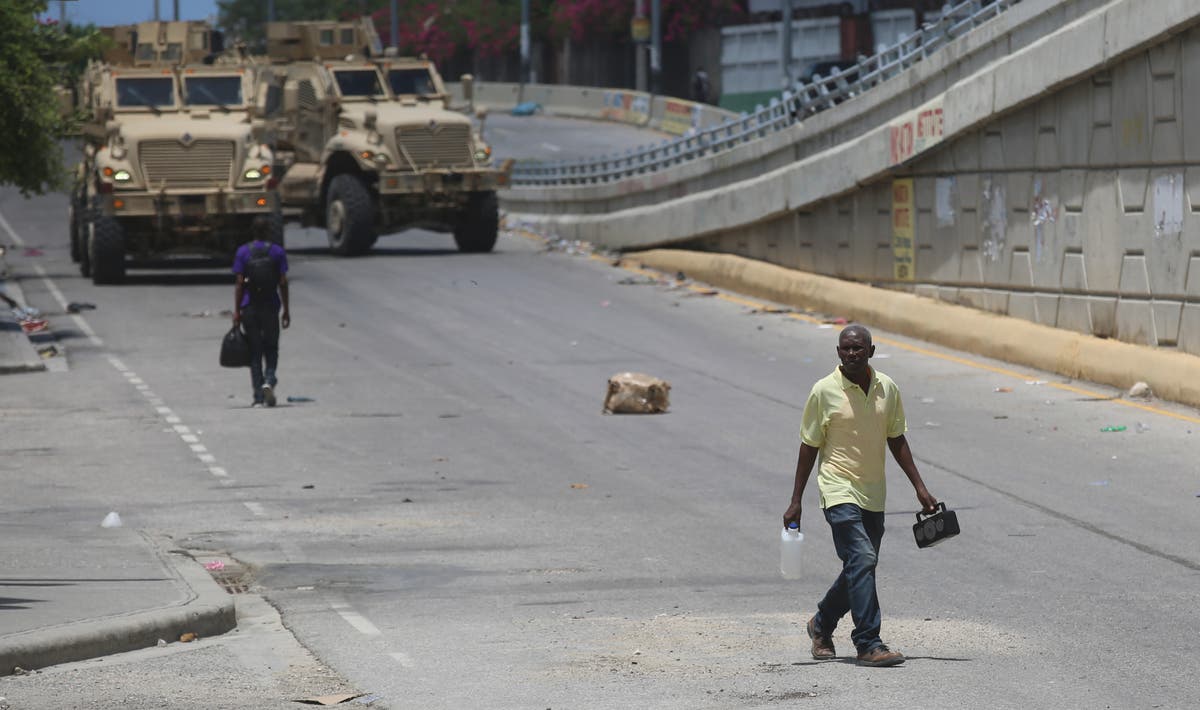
235 351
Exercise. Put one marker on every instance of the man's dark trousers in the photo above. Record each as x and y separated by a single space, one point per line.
856 537
261 325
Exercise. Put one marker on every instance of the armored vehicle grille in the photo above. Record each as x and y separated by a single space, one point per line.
436 147
204 163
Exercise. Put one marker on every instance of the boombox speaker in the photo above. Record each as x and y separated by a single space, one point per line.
932 529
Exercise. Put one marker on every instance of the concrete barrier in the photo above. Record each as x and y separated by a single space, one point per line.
1172 375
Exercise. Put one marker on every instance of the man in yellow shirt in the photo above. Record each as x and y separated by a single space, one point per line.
849 417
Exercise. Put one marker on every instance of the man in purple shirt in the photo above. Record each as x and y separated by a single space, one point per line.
262 290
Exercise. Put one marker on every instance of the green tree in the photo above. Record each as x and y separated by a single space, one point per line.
31 122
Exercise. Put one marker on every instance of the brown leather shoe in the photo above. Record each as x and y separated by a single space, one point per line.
880 656
822 645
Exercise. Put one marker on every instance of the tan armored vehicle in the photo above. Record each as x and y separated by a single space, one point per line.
175 162
369 144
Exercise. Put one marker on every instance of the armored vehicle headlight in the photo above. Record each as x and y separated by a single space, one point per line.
253 174
122 176
481 155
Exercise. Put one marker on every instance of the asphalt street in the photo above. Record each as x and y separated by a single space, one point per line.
447 518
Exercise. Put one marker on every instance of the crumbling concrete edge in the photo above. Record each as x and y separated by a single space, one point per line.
206 610
1172 375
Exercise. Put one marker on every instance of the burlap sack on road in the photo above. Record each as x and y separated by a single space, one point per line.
637 393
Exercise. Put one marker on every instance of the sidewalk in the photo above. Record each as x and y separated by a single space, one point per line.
74 594
17 354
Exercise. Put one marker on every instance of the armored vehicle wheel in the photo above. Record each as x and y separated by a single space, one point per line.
349 216
106 251
476 231
73 225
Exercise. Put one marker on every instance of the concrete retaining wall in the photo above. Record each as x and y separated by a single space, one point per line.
1074 208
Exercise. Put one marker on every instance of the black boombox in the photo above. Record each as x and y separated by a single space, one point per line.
932 529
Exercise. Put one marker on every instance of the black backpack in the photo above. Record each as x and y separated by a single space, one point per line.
262 273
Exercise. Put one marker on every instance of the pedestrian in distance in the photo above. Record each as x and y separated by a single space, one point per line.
849 418
261 306
701 89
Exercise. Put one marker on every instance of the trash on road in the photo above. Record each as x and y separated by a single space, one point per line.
1141 390
579 486
836 321
300 398
526 108
637 393
1113 427
703 292
214 566
330 699
1035 382
928 400
770 310
637 281
1003 389
33 251
1142 427
34 325
308 486
187 637
78 306
49 351
112 520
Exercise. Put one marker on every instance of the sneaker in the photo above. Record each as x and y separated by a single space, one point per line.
255 404
268 395
822 645
880 656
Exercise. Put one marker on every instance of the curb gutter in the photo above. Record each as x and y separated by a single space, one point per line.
206 610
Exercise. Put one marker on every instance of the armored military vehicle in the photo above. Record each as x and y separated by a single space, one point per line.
370 144
175 160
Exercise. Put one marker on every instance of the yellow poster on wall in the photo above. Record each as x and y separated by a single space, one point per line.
903 229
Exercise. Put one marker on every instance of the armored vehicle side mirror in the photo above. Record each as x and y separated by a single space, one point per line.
291 98
481 112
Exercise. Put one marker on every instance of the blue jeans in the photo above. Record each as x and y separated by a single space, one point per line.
261 325
856 537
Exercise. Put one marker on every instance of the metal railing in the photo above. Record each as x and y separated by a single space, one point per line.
793 106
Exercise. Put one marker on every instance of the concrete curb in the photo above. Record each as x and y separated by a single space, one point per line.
1172 375
207 610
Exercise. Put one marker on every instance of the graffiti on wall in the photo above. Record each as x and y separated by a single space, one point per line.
626 107
1042 211
916 132
1168 205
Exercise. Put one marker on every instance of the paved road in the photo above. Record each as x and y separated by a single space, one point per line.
452 520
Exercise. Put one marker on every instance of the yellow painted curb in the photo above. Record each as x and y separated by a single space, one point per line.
1173 376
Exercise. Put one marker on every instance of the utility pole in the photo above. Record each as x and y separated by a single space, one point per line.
270 10
157 14
786 29
524 49
395 28
176 8
639 44
656 46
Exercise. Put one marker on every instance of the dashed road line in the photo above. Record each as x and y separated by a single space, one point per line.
255 508
358 621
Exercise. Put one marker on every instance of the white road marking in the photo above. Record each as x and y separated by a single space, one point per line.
182 429
199 448
190 439
207 458
80 323
218 471
11 232
121 367
358 621
255 508
551 147
172 419
163 410
402 658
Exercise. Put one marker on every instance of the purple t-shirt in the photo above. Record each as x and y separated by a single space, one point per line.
277 254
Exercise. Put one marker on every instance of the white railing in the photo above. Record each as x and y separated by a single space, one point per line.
794 105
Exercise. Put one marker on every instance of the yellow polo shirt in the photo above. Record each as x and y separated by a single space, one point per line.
851 430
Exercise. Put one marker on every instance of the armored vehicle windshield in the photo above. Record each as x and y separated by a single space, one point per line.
150 92
411 82
213 90
359 82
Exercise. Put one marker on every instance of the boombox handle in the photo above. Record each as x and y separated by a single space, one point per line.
941 508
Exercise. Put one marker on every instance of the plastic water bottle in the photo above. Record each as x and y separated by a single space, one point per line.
791 540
